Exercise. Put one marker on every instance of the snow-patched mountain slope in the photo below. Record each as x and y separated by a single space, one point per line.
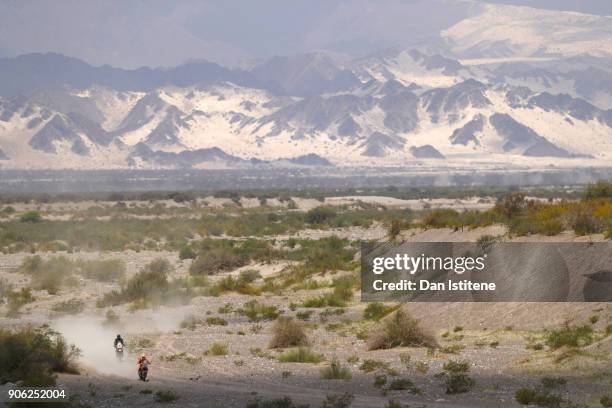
225 125
504 31
411 67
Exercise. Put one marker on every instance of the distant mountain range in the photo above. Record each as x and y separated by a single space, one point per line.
542 96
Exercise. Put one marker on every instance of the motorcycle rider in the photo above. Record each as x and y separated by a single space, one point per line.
119 347
143 365
118 340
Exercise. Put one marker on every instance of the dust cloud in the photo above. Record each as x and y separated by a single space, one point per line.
95 339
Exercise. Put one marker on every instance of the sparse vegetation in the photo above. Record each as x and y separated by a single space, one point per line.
166 396
570 336
288 332
256 311
457 379
400 330
403 384
149 286
34 355
71 307
284 402
336 371
377 310
338 401
218 349
17 299
541 398
301 355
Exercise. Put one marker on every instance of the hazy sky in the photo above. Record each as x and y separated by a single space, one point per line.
132 33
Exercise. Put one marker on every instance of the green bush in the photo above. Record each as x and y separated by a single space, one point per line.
256 311
378 310
187 252
34 355
399 330
301 355
218 349
457 379
31 216
320 215
403 384
288 332
216 321
541 398
600 189
606 401
369 366
150 285
570 336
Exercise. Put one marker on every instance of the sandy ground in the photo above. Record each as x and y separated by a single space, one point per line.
493 337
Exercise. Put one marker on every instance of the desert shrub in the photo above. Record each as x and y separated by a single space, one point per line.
485 242
17 299
214 261
553 382
31 216
105 270
541 398
378 310
288 332
606 401
395 404
583 221
326 300
336 371
338 401
256 311
320 215
400 330
187 252
380 380
111 319
218 349
511 205
369 366
34 355
395 228
166 396
457 379
304 315
403 384
71 306
50 275
190 322
242 284
301 355
570 336
216 321
600 189
150 285
284 402
5 288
